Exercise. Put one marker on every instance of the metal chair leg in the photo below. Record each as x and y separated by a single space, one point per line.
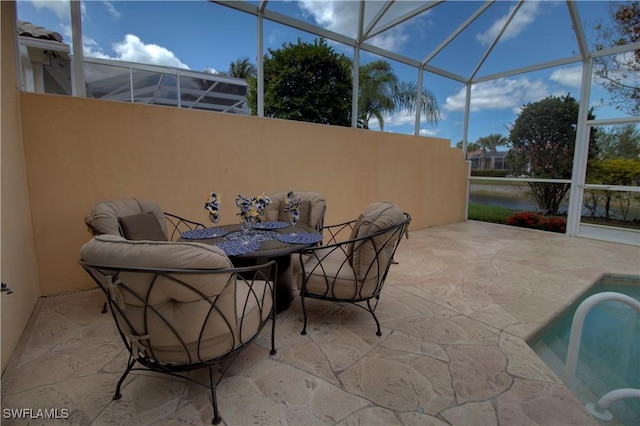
304 314
273 329
214 401
379 332
118 395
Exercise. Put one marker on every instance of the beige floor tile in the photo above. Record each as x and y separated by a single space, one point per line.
455 314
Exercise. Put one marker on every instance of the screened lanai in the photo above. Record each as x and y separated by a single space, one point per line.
464 297
368 23
482 34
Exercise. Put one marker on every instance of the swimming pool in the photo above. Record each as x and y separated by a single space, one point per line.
609 352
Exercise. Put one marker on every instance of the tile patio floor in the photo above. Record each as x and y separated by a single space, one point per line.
456 313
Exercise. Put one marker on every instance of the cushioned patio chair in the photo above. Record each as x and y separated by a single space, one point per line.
137 219
353 271
312 208
180 306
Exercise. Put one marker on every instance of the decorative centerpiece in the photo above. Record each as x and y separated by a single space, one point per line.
292 205
252 209
213 207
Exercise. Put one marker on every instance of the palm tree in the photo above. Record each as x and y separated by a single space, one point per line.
471 146
381 93
242 68
375 94
492 142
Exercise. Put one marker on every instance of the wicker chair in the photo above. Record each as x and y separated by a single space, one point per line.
180 306
353 271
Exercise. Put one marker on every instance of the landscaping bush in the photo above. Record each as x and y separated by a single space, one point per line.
526 220
555 224
489 173
537 221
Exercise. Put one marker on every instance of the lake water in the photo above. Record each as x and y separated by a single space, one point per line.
518 197
513 197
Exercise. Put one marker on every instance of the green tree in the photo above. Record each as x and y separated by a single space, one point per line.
542 141
242 68
380 93
305 82
620 142
491 143
620 74
617 164
613 171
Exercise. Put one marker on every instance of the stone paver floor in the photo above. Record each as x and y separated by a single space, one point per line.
456 313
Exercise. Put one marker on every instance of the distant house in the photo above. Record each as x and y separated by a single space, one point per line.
482 160
46 68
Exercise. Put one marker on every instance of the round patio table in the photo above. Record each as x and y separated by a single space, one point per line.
265 251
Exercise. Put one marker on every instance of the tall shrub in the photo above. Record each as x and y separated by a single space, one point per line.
542 141
305 82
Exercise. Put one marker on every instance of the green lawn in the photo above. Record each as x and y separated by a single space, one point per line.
500 215
489 213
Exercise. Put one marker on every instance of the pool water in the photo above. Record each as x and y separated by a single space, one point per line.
609 352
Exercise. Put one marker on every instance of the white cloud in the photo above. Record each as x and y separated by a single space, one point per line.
342 17
499 94
568 76
91 49
525 16
112 9
429 132
338 16
401 119
60 8
274 37
131 49
134 50
398 118
390 40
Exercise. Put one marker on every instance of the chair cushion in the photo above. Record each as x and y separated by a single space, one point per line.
215 343
112 250
375 217
304 211
330 274
142 226
317 207
192 317
103 217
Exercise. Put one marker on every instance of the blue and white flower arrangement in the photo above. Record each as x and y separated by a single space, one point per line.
292 205
252 209
213 207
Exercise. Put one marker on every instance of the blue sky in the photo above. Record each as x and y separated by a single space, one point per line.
200 34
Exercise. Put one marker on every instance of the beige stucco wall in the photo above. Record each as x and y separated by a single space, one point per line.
81 151
60 155
18 262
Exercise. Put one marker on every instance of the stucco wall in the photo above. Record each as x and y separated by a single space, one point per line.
81 151
18 266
